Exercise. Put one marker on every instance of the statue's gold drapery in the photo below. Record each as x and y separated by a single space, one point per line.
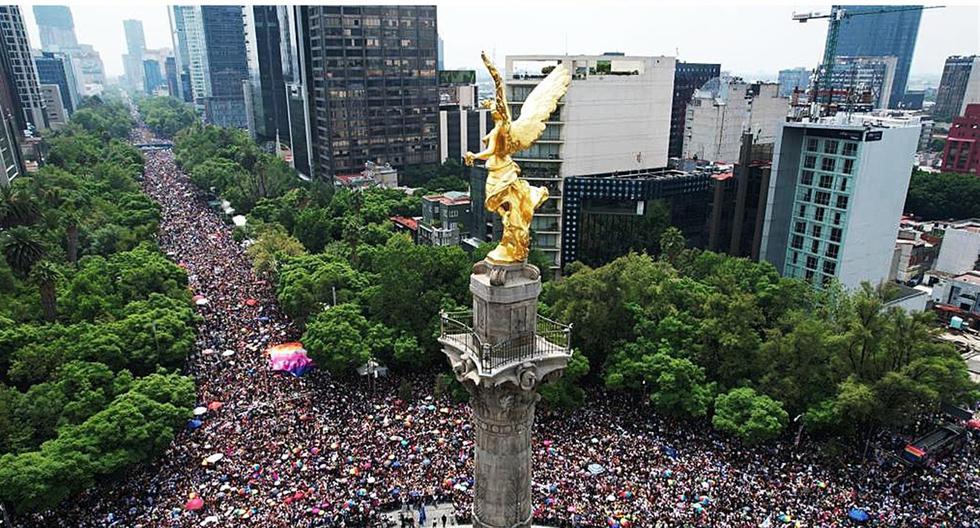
506 194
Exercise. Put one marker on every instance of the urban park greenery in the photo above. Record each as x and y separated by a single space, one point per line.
94 320
943 196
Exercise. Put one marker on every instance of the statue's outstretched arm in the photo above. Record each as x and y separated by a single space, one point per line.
498 82
491 140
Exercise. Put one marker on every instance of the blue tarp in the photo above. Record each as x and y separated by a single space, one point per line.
858 515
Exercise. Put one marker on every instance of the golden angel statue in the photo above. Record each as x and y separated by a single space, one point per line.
506 194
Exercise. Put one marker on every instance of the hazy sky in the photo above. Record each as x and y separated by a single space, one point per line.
746 38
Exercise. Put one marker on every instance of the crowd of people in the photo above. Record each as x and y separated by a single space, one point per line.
316 451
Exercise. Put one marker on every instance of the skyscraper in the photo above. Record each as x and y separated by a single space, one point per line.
133 59
836 195
267 41
173 79
210 49
56 26
958 74
373 93
56 69
688 76
224 42
18 67
878 35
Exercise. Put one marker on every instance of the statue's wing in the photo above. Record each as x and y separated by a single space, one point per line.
540 103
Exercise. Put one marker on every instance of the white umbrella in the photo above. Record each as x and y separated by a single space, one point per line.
228 353
214 458
200 410
201 302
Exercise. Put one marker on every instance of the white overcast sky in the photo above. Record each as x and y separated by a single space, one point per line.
747 38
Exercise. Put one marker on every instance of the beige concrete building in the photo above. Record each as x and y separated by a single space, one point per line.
614 117
717 116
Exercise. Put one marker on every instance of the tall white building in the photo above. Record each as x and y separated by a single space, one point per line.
190 50
614 117
719 114
836 196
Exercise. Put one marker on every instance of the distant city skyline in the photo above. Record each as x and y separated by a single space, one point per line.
754 41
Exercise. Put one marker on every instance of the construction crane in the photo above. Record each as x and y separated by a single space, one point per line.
836 15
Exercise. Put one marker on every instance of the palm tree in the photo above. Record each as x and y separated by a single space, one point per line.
16 208
46 275
21 248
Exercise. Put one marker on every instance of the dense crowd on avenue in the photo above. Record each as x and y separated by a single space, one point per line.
316 451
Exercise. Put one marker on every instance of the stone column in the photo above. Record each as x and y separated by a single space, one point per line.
501 364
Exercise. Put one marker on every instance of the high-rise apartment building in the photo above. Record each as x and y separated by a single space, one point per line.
18 67
836 195
959 74
719 113
373 93
688 76
296 77
10 154
172 77
614 117
267 41
56 68
56 26
880 35
794 79
210 47
962 152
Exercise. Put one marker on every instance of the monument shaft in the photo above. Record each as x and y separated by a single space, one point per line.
502 359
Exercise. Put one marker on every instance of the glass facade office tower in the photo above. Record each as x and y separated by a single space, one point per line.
56 26
688 76
793 79
267 40
53 69
878 35
224 41
18 67
958 73
373 88
133 59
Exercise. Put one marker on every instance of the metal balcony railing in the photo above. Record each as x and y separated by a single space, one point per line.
550 338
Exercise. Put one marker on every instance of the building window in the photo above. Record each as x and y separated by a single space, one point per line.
811 144
832 250
808 275
818 214
848 166
826 181
811 262
828 164
797 242
850 148
826 279
795 257
802 211
829 267
815 246
806 177
816 231
809 162
836 218
835 234
843 184
842 202
823 198
800 227
830 146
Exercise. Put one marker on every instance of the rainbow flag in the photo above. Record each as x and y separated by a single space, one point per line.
913 454
291 358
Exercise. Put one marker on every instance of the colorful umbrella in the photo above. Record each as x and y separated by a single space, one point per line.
194 504
194 424
251 302
858 515
291 358
215 405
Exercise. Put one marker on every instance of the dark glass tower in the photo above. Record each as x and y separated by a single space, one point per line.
52 69
688 76
267 34
371 76
881 35
224 38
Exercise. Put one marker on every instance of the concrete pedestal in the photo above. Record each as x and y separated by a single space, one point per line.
501 360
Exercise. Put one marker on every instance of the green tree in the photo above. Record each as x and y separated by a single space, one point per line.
273 245
565 393
751 417
22 248
339 339
46 275
675 386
